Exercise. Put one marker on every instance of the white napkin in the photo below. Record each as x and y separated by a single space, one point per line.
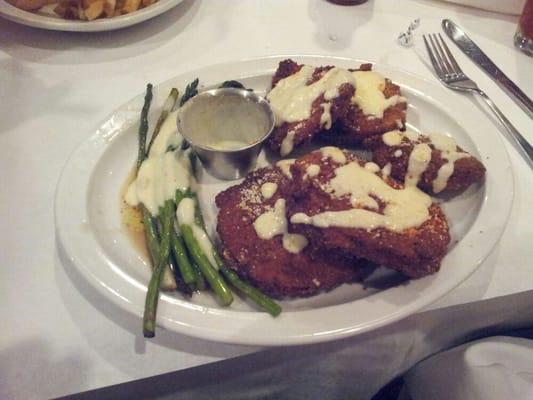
501 6
495 368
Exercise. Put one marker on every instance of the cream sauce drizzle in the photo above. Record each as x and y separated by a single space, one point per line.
287 144
312 170
268 189
386 170
448 147
325 118
158 179
285 166
274 222
418 161
369 93
405 208
334 153
292 98
372 167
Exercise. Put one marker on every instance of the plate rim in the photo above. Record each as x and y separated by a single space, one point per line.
35 20
208 332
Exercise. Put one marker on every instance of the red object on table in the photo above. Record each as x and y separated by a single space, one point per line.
524 34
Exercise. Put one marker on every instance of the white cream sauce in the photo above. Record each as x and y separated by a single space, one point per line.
287 144
268 189
274 222
168 136
404 208
312 170
228 144
334 153
292 98
448 148
325 118
369 93
372 167
386 170
398 153
294 242
158 179
285 166
392 138
418 161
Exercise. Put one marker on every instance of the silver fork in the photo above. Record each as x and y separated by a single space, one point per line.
451 75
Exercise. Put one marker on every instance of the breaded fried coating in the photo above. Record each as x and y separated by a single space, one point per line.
415 252
464 169
265 262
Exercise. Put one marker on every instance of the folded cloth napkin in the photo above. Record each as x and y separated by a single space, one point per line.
506 6
494 368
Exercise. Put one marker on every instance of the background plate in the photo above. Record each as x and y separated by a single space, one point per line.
88 224
46 19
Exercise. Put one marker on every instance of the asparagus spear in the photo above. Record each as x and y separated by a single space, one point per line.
143 127
170 102
190 91
212 276
254 294
150 230
180 254
215 281
152 296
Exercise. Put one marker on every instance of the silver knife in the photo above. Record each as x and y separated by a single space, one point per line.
468 47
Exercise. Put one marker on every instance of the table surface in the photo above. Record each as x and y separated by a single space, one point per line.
62 337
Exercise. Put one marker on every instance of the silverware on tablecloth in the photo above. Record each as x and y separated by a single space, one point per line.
460 38
451 75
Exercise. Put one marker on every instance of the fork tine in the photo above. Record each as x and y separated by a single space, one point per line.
455 67
438 54
449 68
436 65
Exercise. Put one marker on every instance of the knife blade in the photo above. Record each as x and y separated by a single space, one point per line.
461 39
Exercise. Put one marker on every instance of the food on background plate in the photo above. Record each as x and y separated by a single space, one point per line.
30 5
341 106
433 162
347 206
86 10
253 229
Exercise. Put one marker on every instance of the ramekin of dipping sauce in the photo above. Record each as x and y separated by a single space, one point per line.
226 128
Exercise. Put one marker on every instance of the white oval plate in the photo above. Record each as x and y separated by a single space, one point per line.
88 224
46 19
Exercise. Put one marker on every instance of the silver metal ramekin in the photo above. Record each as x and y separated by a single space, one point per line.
226 128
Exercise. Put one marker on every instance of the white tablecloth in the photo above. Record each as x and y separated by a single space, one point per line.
61 337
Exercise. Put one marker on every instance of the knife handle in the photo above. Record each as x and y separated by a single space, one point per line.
522 143
467 46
